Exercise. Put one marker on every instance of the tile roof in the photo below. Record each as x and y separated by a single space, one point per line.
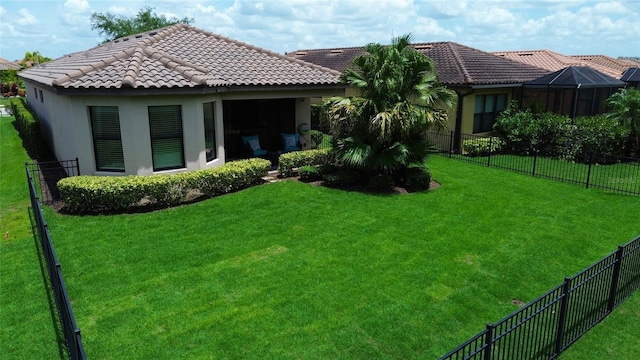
8 65
178 56
617 64
455 64
554 61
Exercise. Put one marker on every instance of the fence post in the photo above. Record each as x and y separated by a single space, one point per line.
535 160
77 167
488 342
589 161
564 303
450 143
615 278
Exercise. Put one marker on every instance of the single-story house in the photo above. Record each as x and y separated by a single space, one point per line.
173 99
484 83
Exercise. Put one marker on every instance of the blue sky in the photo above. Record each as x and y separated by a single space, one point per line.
571 27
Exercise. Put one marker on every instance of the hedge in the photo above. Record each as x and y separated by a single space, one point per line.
482 146
291 160
28 126
94 194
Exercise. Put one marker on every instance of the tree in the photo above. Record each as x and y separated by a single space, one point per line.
114 27
624 106
32 58
383 131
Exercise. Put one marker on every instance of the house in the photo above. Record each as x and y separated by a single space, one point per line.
484 83
8 65
173 99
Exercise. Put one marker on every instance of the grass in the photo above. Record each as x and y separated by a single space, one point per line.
289 270
624 176
26 324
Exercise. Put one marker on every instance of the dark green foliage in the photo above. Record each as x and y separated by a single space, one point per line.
624 107
380 183
342 179
600 134
482 146
309 173
417 178
114 27
94 194
295 159
316 137
28 126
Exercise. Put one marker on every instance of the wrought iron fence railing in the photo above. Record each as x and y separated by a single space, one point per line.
608 172
547 326
72 336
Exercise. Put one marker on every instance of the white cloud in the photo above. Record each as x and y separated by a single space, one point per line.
25 18
428 29
76 6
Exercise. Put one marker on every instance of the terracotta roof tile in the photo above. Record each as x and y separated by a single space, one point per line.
178 56
455 64
621 65
553 61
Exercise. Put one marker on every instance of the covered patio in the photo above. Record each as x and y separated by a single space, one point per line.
574 91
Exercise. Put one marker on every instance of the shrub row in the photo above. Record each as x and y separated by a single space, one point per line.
289 161
28 126
93 194
560 136
482 146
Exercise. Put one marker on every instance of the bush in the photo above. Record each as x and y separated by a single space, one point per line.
341 179
291 160
316 137
600 134
380 183
417 179
482 146
93 194
310 173
28 126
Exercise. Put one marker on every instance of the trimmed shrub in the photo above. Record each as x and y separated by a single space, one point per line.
316 137
482 146
309 173
380 183
417 179
93 194
295 159
28 126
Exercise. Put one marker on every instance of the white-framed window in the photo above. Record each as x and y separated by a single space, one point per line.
167 144
107 140
209 110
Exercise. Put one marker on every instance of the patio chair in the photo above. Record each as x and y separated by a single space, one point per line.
291 142
253 143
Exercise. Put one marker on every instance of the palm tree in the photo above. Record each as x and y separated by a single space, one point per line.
383 130
624 106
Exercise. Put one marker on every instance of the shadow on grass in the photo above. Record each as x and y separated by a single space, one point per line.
53 306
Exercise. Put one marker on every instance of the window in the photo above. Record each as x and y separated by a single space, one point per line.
35 92
165 126
209 110
487 109
107 143
41 97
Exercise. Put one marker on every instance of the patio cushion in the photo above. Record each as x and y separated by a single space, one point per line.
290 142
253 142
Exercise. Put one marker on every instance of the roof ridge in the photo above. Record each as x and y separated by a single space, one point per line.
102 63
456 56
194 73
133 69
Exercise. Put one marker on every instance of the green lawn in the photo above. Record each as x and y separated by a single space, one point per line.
26 325
625 176
289 270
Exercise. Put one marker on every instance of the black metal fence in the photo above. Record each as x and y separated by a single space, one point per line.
547 326
609 172
71 331
48 173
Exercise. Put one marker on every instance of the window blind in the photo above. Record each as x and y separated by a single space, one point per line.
107 141
209 130
165 127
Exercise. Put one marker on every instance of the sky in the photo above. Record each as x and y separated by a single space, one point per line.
571 27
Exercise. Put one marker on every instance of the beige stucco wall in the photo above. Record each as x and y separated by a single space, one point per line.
66 123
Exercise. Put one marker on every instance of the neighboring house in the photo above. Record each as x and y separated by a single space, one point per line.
632 77
173 99
484 83
8 65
